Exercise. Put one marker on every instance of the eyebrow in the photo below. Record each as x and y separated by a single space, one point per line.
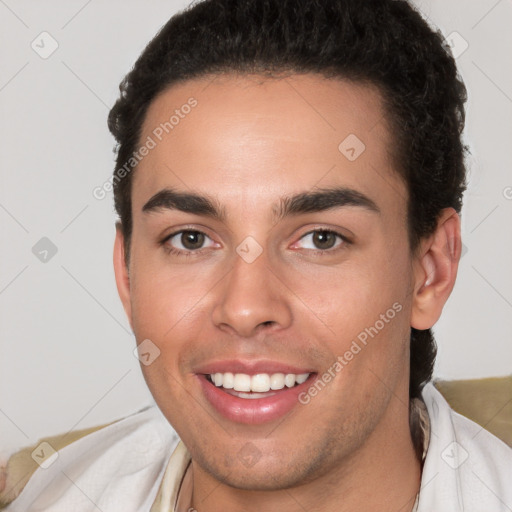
304 202
322 200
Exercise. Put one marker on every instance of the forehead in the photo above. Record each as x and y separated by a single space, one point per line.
252 137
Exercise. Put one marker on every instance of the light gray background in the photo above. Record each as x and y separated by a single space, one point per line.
65 344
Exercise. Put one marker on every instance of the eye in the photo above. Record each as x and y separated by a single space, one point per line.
186 241
323 240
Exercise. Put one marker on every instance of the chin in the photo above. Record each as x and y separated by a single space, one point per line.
271 473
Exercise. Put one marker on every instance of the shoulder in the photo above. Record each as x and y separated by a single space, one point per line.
118 463
466 468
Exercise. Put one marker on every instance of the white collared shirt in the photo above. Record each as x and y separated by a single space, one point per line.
137 465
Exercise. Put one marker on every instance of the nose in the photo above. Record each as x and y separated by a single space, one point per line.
251 299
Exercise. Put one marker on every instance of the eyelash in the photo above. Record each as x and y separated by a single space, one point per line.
177 252
317 252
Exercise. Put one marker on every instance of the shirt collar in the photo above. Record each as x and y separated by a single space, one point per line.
167 495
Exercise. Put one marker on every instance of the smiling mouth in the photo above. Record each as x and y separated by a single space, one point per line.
254 398
260 385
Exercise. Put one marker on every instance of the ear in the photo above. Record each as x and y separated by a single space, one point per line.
435 270
122 273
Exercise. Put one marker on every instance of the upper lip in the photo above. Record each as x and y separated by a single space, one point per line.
250 367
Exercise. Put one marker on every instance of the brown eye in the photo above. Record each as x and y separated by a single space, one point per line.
324 239
192 239
188 242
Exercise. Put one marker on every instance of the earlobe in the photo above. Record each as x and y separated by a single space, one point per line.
121 272
435 270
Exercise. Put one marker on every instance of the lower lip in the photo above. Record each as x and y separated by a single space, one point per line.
253 411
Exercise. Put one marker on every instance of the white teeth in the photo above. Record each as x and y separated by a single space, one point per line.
228 381
289 380
242 382
277 381
303 377
259 383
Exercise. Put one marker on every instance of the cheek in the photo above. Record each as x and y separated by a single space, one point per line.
163 295
378 342
351 296
169 308
360 310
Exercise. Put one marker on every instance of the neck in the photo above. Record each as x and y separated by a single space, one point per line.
382 475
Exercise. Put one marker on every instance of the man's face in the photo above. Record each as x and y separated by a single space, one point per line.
272 285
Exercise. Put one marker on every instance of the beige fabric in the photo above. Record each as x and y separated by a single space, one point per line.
173 476
21 466
487 402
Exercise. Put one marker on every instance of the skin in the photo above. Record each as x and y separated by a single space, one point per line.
250 141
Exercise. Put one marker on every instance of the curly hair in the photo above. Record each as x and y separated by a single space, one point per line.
386 43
